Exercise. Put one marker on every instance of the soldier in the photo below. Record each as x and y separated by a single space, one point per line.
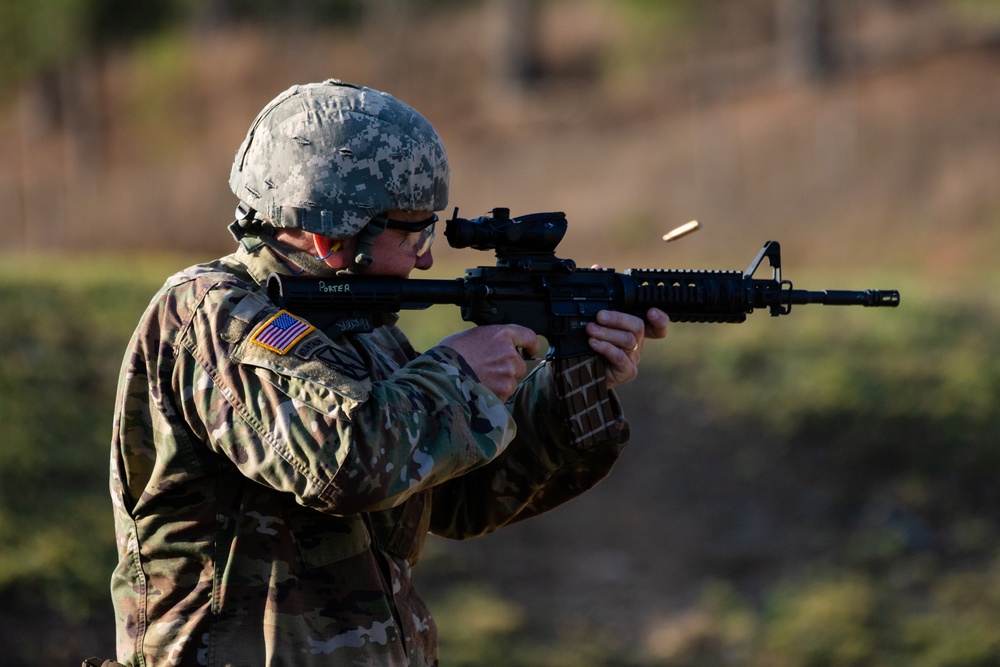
273 483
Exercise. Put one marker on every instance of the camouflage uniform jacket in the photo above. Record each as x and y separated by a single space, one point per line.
270 501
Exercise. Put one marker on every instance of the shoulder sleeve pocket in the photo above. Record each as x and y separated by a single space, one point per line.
316 371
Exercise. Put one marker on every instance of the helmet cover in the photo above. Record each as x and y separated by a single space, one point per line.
328 157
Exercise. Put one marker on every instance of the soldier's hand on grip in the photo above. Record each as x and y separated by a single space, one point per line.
494 353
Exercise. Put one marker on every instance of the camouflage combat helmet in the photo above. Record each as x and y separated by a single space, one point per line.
328 157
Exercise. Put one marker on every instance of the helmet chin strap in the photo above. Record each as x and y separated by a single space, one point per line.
247 223
363 256
251 231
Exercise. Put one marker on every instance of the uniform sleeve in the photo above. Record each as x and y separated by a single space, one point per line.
570 432
300 413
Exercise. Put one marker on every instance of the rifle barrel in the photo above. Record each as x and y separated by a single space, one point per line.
871 298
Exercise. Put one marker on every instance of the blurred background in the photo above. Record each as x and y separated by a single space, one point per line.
819 490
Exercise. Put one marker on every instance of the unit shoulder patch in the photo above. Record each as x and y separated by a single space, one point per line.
344 362
280 333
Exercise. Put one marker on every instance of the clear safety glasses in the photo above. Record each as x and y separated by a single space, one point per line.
420 234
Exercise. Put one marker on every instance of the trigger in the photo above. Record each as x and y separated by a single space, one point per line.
527 357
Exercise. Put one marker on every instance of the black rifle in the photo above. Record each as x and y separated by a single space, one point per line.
532 287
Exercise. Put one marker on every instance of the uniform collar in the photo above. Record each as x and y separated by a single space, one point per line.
264 255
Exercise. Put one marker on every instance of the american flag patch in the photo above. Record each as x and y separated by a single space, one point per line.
281 332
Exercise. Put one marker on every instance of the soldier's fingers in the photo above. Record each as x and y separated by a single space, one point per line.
624 331
620 366
657 323
523 338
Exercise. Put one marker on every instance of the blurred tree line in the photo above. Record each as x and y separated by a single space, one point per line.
56 47
54 53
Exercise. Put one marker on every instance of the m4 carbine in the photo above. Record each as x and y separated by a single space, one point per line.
532 287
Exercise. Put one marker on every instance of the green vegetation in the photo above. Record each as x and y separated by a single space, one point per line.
926 370
655 27
980 9
37 37
900 403
62 338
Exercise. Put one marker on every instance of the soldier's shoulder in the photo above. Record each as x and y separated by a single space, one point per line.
202 277
212 289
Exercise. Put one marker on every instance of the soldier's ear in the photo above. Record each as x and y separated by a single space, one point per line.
330 251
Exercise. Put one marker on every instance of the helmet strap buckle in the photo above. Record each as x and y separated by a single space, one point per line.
245 223
363 256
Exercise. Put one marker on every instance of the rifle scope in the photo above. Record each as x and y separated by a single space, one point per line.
532 233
